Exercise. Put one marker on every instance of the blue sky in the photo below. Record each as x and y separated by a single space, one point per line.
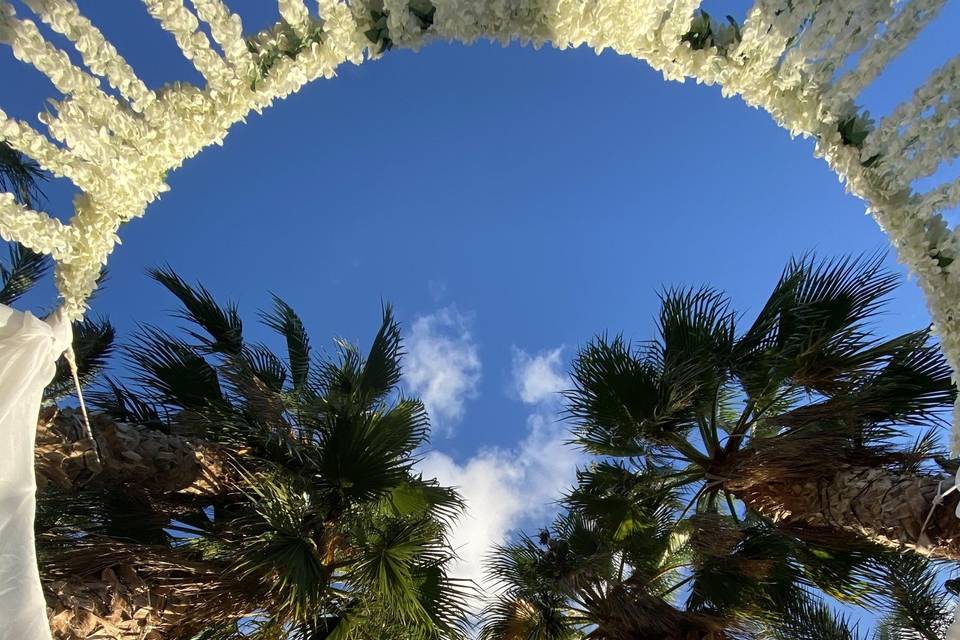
509 203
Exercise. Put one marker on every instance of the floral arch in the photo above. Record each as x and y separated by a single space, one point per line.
803 61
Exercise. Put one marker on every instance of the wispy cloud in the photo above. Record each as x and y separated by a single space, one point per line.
507 488
538 378
442 365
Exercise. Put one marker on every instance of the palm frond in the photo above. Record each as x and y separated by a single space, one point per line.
917 605
358 460
121 404
172 371
381 369
911 384
388 561
810 619
518 618
416 497
24 270
812 331
697 329
280 543
93 340
265 366
222 324
338 380
20 175
619 401
285 321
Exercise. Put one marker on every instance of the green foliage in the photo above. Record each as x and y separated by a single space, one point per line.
24 269
93 340
918 607
654 540
20 176
322 528
704 33
809 619
222 325
285 321
378 34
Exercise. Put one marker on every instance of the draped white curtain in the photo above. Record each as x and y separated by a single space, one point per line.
29 348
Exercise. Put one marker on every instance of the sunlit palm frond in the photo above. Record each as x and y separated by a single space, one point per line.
416 497
542 617
809 619
917 605
391 558
282 543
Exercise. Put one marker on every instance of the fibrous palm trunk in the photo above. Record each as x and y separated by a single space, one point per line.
880 504
123 454
116 604
109 589
627 613
99 588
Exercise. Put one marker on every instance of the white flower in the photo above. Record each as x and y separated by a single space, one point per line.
118 151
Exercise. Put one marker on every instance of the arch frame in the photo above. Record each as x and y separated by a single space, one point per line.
791 59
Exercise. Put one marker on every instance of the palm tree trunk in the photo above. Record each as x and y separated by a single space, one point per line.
99 588
118 604
123 454
628 612
877 503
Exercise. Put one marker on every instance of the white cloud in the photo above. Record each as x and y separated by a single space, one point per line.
442 365
512 488
538 378
505 489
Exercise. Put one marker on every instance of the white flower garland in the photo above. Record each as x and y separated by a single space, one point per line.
783 58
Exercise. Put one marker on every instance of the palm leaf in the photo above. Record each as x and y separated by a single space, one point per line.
620 402
285 321
25 269
381 370
222 324
358 460
172 371
810 619
814 325
917 607
121 404
19 175
92 346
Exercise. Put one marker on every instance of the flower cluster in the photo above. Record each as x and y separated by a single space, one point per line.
788 58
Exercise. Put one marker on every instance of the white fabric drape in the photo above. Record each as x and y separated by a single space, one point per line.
29 348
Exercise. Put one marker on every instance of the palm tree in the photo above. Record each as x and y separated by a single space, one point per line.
608 578
690 524
625 561
300 514
803 417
